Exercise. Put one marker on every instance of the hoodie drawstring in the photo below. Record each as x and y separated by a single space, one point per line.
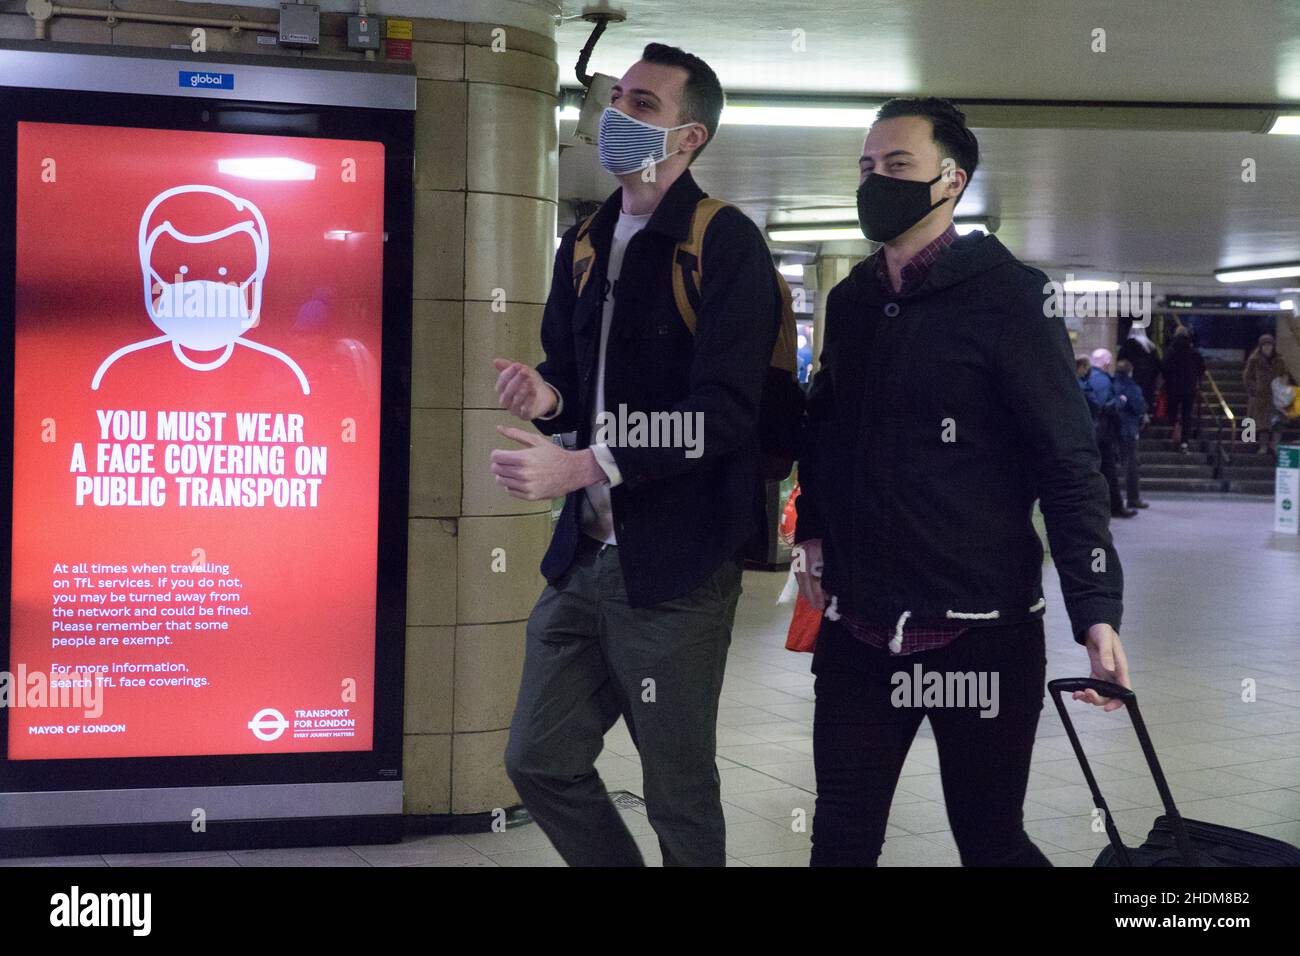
896 642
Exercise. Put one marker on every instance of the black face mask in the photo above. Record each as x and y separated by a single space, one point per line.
888 207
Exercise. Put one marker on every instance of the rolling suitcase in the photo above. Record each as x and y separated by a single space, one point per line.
1172 841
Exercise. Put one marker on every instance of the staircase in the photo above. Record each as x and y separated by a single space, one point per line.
1218 461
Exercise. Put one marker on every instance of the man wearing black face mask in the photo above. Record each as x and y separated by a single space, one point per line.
945 404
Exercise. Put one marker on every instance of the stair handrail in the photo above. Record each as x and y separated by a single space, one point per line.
1223 403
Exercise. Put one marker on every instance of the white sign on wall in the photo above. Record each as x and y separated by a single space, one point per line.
1286 497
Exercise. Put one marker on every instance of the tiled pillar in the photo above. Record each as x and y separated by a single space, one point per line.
831 270
1097 332
486 185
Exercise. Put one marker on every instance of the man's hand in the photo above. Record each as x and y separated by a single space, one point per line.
807 558
1108 664
543 469
521 391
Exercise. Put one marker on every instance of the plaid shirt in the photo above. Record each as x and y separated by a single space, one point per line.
930 638
918 267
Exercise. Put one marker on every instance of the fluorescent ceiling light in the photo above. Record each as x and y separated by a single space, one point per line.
1254 273
813 228
792 270
1286 304
813 233
1090 285
829 117
1286 125
267 167
803 217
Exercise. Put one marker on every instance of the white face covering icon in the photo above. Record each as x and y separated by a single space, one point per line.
203 315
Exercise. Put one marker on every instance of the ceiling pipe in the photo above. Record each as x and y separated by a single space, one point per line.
42 11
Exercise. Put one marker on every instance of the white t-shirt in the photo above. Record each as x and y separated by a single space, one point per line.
597 518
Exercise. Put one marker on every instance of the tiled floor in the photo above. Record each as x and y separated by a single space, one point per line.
1213 600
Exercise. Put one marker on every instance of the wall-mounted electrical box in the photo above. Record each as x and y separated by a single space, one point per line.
299 24
363 33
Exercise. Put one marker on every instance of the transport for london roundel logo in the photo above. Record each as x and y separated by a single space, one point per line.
268 724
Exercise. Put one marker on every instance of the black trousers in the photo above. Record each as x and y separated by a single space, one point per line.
1182 410
864 725
1131 467
1108 446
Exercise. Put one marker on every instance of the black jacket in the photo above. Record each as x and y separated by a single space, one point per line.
1146 365
676 518
1183 366
936 419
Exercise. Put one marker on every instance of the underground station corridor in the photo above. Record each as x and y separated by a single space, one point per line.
628 434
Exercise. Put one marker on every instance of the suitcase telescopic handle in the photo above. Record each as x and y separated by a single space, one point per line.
1057 688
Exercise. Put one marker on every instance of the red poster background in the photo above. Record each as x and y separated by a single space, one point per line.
308 574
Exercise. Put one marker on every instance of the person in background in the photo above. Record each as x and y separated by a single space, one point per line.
1081 368
1104 403
1183 368
1262 367
1132 416
1140 352
804 356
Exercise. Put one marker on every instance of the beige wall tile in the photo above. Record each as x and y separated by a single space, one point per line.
336 25
435 490
438 61
217 10
515 141
509 245
431 572
436 346
426 773
245 41
430 659
157 35
78 30
484 596
481 495
437 31
478 773
481 34
489 661
514 334
334 48
511 68
439 244
17 26
440 135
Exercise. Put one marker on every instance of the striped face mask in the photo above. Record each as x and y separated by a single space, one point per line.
627 144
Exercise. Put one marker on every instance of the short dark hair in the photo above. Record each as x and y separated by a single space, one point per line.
953 137
702 96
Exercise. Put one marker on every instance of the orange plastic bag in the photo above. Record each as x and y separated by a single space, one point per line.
804 625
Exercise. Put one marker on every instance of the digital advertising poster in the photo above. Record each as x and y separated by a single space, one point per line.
196 421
